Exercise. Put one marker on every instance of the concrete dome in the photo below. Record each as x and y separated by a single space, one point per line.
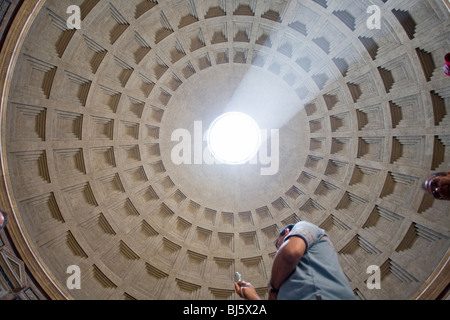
354 118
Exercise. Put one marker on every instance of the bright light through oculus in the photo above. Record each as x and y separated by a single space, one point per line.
234 138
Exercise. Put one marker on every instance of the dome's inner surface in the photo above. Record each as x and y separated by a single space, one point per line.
353 119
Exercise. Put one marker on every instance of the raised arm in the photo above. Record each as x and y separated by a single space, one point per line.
286 260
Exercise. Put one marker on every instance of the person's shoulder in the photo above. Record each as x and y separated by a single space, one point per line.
306 225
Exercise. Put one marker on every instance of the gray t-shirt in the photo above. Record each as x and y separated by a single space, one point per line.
318 274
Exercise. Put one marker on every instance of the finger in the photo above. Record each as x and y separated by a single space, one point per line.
238 289
244 290
243 293
244 284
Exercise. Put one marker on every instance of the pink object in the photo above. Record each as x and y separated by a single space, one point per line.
447 64
447 68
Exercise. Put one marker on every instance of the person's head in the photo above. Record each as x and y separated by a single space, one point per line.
2 219
282 235
447 57
438 185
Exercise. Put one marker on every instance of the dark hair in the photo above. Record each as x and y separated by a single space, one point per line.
447 57
282 232
434 175
288 227
5 215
